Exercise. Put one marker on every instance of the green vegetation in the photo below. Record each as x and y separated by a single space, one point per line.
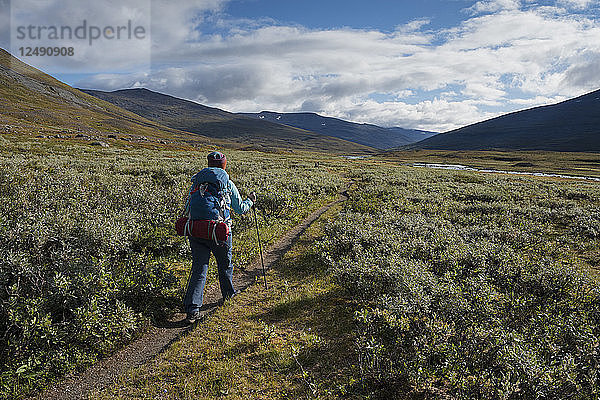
89 256
425 283
290 341
471 285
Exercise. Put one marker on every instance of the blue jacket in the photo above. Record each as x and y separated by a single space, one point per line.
233 199
236 203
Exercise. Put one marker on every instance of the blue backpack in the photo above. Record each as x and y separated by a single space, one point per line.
209 198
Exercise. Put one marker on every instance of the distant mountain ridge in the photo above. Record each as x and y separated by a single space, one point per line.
572 125
34 103
367 134
212 122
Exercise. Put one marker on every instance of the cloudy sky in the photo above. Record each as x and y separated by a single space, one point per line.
429 64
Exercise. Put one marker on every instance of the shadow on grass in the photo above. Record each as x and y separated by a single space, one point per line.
169 324
323 360
319 352
306 265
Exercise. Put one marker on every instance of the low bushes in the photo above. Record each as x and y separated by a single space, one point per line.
468 301
87 246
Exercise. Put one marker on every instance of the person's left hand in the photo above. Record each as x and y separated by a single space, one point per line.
252 197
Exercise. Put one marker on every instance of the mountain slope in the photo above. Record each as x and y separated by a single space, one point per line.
213 122
366 134
572 125
34 103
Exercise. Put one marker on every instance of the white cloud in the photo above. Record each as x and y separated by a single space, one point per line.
577 4
173 24
444 115
584 74
70 20
538 101
492 6
413 26
501 58
167 29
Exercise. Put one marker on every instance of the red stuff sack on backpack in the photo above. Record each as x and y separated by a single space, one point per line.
203 229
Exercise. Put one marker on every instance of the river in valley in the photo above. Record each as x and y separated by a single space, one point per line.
457 167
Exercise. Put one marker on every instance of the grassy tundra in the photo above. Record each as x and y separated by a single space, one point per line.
88 252
471 285
424 284
442 282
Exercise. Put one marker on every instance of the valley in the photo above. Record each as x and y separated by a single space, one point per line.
415 283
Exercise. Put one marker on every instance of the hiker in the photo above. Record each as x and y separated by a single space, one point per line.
219 206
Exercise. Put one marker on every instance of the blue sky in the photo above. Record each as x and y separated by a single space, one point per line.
430 64
383 15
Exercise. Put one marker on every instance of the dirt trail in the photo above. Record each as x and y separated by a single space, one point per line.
159 338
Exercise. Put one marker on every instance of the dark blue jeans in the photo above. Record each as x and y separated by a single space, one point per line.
201 250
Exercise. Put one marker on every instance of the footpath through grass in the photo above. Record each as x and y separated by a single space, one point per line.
88 253
428 284
292 340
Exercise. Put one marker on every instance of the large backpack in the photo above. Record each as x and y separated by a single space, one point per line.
209 197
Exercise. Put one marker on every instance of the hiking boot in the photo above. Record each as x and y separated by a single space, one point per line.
229 297
192 317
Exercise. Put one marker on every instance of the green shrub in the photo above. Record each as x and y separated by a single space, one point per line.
87 245
475 290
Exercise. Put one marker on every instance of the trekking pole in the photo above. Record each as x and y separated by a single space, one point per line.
260 248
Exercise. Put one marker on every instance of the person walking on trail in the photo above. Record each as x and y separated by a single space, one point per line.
227 198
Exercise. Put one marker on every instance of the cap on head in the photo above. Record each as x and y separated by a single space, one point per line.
217 159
